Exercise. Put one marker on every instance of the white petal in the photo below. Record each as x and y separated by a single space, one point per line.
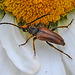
51 63
22 57
69 37
6 66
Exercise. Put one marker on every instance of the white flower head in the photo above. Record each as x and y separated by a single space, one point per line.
20 60
50 60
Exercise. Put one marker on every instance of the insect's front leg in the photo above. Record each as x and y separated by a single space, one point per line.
34 45
64 26
26 40
58 49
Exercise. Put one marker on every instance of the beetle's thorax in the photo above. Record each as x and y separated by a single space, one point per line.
33 30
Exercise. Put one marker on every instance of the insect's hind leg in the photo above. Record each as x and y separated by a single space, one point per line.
26 40
64 26
58 49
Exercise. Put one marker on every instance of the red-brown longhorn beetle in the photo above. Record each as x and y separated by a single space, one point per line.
42 33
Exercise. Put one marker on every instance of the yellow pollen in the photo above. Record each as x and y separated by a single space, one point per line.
29 10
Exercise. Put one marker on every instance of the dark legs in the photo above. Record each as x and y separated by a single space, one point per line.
63 26
26 41
34 45
58 49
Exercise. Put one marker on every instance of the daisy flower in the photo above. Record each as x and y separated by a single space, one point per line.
15 60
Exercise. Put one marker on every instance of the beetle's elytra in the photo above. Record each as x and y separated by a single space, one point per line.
44 34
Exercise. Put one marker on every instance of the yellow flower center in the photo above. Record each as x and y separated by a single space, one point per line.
29 10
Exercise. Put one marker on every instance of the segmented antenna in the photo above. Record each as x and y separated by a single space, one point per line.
38 18
11 24
26 24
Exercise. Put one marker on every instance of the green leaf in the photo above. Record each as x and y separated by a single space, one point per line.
52 24
21 23
1 14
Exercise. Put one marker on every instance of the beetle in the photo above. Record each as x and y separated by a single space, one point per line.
44 34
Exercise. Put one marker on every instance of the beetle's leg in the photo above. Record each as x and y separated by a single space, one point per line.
64 26
58 50
34 45
26 40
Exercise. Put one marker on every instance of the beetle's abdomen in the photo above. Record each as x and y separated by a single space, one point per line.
50 36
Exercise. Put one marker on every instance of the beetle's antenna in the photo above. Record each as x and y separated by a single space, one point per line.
26 23
11 24
38 18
